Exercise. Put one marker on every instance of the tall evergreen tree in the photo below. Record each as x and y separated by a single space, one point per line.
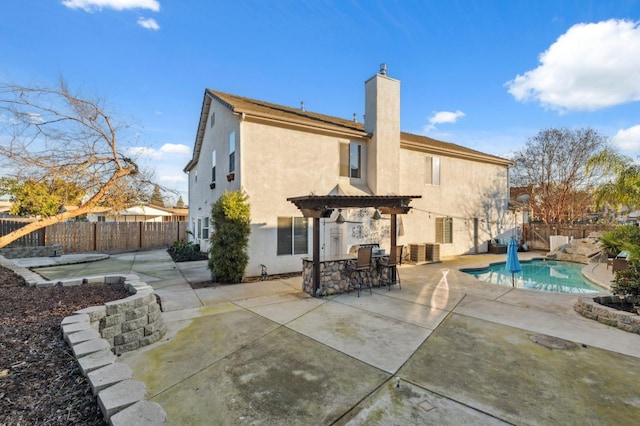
156 197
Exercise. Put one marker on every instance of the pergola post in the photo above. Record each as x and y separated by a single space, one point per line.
394 242
316 255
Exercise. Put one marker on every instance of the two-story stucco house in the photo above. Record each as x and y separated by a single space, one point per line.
274 152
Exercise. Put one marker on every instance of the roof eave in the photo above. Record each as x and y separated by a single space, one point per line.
416 146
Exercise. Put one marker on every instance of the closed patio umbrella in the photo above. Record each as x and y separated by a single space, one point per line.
513 263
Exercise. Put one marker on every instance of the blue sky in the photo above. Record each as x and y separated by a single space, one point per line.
483 74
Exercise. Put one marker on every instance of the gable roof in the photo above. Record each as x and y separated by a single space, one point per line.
280 115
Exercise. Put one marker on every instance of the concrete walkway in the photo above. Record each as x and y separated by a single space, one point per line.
444 349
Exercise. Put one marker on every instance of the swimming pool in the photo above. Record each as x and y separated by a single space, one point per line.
539 274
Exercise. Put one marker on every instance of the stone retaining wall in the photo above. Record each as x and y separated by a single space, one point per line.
623 320
23 252
98 333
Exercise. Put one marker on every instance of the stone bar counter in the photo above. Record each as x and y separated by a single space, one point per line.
335 277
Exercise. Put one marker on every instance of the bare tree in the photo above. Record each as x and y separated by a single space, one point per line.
49 134
554 163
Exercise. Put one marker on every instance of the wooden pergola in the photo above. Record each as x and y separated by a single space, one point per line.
321 206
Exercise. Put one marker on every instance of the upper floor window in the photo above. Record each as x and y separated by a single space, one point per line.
213 166
432 171
444 230
232 152
351 160
213 119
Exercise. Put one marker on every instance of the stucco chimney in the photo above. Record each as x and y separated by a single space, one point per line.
382 120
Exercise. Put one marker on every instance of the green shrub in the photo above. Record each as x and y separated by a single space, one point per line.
186 251
231 221
627 282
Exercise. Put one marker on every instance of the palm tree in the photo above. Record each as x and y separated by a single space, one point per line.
624 187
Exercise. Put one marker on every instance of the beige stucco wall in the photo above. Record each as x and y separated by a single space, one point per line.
465 188
201 196
275 163
279 164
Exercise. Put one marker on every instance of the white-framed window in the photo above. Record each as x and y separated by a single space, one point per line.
213 166
351 160
293 236
444 230
232 152
205 228
432 171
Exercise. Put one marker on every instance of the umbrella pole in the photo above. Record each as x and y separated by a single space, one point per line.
513 279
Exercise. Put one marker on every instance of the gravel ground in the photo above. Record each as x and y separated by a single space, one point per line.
40 383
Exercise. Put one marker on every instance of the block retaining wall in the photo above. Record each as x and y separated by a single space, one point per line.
98 333
39 251
623 320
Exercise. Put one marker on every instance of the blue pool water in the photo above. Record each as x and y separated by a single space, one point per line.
539 274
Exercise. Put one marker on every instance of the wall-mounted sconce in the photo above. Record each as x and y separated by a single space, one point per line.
376 215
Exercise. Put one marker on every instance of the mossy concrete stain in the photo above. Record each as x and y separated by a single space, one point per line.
209 337
524 381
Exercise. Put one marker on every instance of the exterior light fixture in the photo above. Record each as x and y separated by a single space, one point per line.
376 215
340 218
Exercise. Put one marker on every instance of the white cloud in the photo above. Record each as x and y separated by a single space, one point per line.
145 152
166 151
440 117
591 66
93 5
148 23
627 139
179 149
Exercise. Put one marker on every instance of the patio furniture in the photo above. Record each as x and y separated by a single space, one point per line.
359 266
391 263
497 246
619 264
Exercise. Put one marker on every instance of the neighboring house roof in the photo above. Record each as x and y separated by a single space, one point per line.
274 114
144 211
134 211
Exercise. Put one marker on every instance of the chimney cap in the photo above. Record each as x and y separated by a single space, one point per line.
383 69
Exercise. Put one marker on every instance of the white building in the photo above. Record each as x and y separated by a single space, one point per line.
274 152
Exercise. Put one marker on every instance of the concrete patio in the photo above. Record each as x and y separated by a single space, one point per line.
444 349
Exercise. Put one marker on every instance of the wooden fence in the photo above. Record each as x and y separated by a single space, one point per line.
80 237
536 235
